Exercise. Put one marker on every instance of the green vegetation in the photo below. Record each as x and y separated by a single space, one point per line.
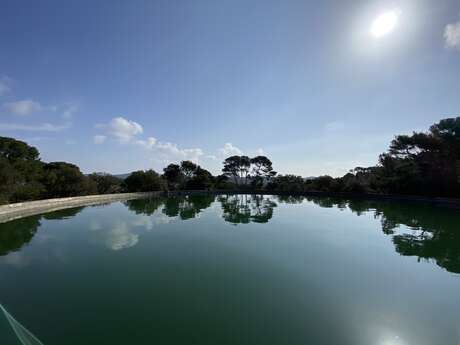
426 164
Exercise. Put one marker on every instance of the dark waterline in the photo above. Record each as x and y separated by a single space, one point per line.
240 269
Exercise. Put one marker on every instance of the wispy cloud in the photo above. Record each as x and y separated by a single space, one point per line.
99 139
44 127
36 139
230 150
452 35
23 107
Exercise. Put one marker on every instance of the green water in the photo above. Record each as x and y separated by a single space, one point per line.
235 270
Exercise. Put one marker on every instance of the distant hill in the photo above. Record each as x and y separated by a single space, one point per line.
122 176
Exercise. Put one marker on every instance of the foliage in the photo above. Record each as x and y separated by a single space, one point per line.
20 171
188 176
200 180
144 181
173 176
64 179
106 183
257 170
238 168
188 169
287 183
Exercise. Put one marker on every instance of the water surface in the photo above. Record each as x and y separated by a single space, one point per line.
235 270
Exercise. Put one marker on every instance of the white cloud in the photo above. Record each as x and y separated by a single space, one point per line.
230 150
174 153
169 152
44 127
122 129
99 139
452 35
4 85
23 107
127 131
148 144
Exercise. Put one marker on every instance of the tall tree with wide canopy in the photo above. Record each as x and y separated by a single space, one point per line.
237 167
262 170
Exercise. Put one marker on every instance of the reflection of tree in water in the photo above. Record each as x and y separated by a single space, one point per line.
187 207
144 206
433 234
243 209
16 233
290 199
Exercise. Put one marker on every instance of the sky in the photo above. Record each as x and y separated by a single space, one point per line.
116 86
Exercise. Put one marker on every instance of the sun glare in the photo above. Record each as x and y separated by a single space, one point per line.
384 23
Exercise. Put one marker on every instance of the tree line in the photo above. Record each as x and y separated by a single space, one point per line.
423 163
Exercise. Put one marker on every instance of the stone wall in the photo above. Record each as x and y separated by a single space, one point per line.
29 208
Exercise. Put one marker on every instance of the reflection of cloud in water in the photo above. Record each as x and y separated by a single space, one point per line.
120 237
149 222
115 236
121 234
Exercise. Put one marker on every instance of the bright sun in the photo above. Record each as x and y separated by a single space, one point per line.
384 23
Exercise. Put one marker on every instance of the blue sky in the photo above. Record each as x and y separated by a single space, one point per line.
117 86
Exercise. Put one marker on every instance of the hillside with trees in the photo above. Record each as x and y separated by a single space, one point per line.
423 163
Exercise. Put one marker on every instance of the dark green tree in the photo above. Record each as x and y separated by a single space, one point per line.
144 181
173 176
287 183
20 171
188 168
238 168
63 179
262 171
201 180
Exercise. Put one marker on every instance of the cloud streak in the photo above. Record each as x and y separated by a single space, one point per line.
452 35
23 107
44 127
